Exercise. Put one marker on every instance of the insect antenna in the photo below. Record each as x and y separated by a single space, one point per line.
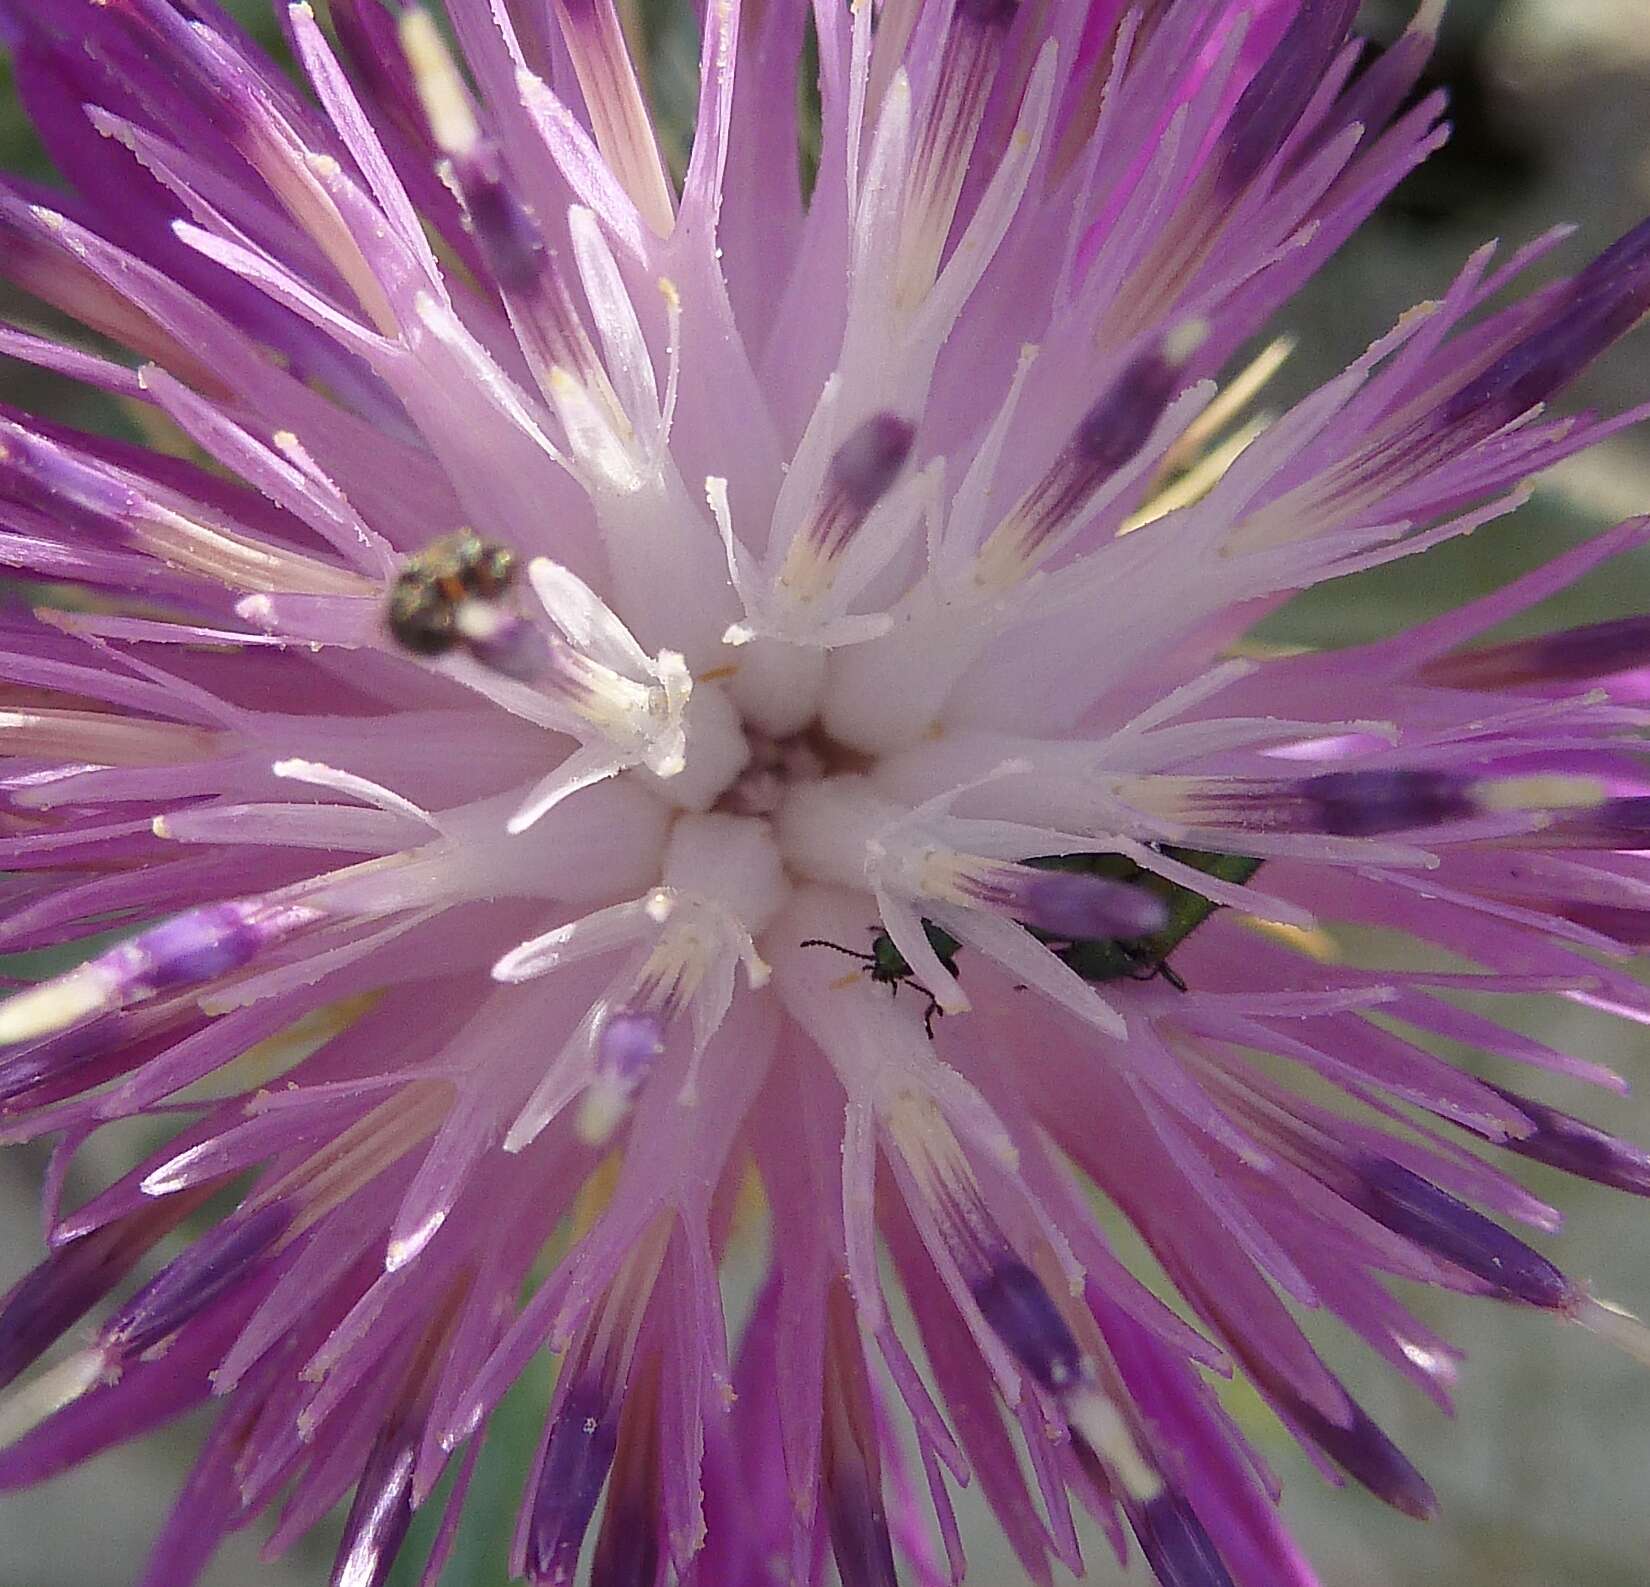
853 953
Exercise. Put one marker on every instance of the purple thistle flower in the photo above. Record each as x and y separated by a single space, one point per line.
589 593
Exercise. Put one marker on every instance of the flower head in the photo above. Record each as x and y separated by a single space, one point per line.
625 688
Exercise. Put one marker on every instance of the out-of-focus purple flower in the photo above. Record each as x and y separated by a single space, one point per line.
589 593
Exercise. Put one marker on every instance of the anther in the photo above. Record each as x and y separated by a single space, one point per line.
1418 1210
186 951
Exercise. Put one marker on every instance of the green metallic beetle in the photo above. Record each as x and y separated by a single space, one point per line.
1096 959
886 965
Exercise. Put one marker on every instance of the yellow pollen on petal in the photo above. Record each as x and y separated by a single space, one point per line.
940 875
931 1150
1556 792
596 1194
1198 480
807 572
602 1108
1313 941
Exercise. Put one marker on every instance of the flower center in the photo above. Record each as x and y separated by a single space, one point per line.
779 763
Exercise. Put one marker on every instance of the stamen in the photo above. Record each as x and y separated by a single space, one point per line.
520 262
1060 904
919 867
1100 1425
1369 803
1588 818
1109 437
838 522
1012 1299
861 474
187 951
1198 480
1014 1302
629 1044
1233 397
631 704
441 89
1615 1325
689 969
1361 804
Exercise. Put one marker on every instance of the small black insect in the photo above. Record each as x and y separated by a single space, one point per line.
886 965
422 611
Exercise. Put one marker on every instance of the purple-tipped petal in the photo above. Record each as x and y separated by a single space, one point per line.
1561 1140
1365 1453
1272 103
1418 1210
1605 301
45 1303
868 462
380 1513
1176 1545
1594 650
215 1264
582 1440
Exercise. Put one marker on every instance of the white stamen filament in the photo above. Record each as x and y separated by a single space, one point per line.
441 90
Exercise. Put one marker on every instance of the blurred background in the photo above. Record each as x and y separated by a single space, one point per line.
1544 1476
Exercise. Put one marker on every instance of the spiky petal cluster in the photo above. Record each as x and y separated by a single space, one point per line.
571 610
